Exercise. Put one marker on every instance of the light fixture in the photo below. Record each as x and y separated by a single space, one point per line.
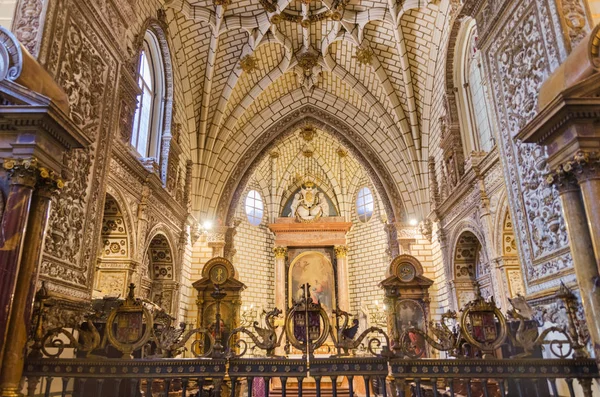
207 225
413 222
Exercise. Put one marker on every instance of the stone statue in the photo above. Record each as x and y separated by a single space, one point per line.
309 204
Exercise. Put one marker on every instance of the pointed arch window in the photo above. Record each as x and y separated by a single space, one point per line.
147 123
474 107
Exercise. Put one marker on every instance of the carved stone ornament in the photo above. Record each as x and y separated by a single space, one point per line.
364 55
29 172
11 56
309 204
518 65
341 251
280 252
308 133
248 63
583 166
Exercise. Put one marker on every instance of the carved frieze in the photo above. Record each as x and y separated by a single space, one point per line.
86 69
518 64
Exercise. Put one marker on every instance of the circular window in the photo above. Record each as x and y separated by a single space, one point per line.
254 207
364 204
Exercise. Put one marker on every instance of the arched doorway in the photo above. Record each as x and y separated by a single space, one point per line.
114 266
471 269
157 278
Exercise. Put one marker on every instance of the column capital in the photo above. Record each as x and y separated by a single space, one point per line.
274 154
29 172
583 166
280 252
341 251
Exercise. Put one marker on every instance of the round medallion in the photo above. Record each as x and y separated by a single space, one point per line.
218 274
406 272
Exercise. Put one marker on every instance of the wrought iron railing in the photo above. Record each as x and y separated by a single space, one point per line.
387 366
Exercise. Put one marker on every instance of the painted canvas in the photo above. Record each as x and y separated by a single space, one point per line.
315 269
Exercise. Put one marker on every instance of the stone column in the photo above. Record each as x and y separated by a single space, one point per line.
26 272
584 261
280 254
14 222
345 207
274 213
586 167
343 289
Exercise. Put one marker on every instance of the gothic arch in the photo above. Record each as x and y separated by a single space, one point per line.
164 230
466 225
324 121
127 216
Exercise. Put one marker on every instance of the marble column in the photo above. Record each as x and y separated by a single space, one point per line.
26 276
14 222
586 167
343 283
280 254
584 261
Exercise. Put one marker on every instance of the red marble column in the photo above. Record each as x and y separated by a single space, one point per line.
12 232
20 316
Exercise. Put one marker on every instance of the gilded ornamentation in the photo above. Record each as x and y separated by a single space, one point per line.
341 251
249 63
280 252
364 55
29 172
308 133
222 3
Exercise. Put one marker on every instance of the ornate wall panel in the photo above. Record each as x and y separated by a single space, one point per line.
524 50
84 65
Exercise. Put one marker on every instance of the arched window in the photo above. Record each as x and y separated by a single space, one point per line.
364 204
470 80
254 208
147 123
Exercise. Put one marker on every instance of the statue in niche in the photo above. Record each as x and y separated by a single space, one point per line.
309 204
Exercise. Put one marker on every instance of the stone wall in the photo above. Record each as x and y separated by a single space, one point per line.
89 48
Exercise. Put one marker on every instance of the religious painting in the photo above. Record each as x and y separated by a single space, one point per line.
409 314
209 321
315 269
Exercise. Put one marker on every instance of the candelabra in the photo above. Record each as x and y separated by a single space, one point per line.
378 315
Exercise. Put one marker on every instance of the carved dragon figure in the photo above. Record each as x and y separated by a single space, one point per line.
267 337
345 338
444 339
528 338
88 334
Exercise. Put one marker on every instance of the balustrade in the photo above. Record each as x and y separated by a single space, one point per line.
364 364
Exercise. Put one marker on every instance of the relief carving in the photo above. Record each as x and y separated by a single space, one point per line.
67 217
83 76
26 25
518 65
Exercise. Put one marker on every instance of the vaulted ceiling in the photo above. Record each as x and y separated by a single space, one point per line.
367 63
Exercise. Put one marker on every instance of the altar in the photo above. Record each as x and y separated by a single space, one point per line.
310 247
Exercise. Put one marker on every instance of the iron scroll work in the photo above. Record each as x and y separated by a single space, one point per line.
147 345
134 328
